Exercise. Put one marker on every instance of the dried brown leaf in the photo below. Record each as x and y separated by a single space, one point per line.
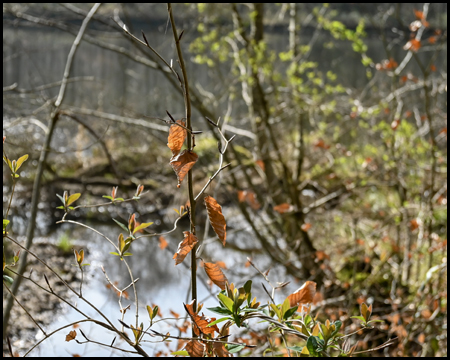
182 163
71 335
304 295
195 348
200 323
220 350
216 275
184 247
216 218
177 134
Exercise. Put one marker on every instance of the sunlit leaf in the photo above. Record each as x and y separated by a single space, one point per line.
216 218
20 161
72 198
182 163
142 226
71 335
185 246
304 295
177 134
216 275
226 301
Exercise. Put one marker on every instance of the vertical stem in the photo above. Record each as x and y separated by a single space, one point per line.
190 144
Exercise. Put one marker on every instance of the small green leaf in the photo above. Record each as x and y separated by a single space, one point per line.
285 307
221 311
375 320
61 198
114 253
127 254
5 223
150 312
359 318
233 348
16 175
121 225
85 264
290 312
277 311
248 287
226 301
72 198
155 311
107 197
142 226
180 352
312 345
21 160
8 279
296 348
61 207
119 199
218 321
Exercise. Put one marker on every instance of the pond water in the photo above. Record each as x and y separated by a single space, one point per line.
160 282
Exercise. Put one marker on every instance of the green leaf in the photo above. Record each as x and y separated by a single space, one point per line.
226 301
127 254
312 345
5 223
119 199
121 225
290 312
375 320
107 197
285 307
180 352
359 318
218 321
8 279
248 287
233 348
296 348
155 311
150 312
221 311
277 311
72 198
16 175
21 160
85 264
60 207
142 226
62 199
338 324
114 253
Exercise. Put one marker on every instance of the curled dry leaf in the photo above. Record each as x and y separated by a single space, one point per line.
182 163
304 295
177 134
184 247
216 218
200 323
71 335
216 275
195 348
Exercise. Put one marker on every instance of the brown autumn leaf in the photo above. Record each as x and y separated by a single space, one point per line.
184 247
177 134
251 199
216 275
182 163
195 348
220 350
216 218
222 264
162 242
282 208
304 295
71 335
176 315
200 323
